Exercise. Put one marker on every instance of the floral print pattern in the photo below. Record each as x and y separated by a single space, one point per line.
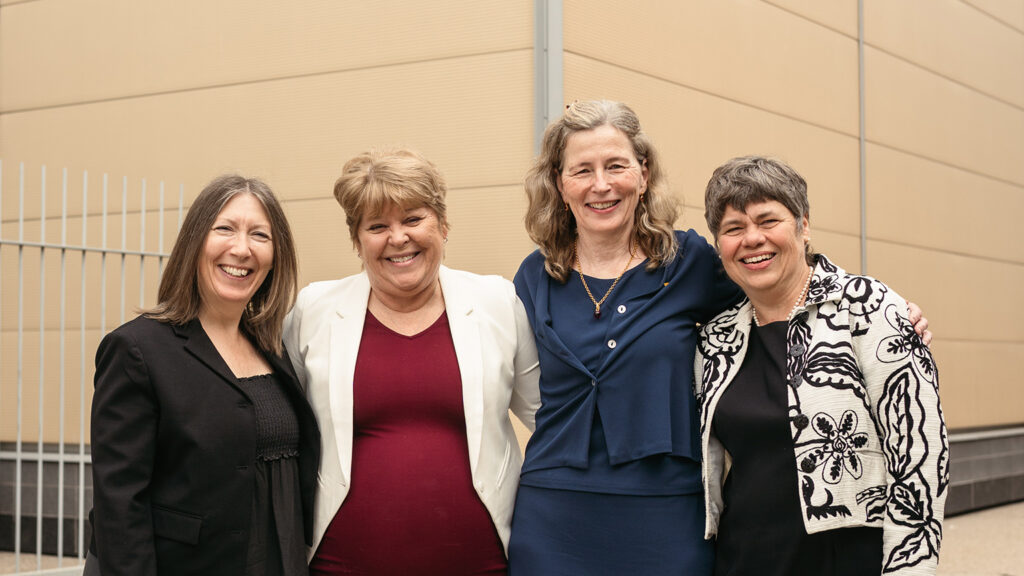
869 437
836 450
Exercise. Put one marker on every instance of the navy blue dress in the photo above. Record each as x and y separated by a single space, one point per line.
611 483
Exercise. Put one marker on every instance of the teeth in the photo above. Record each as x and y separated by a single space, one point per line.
603 205
400 259
236 272
756 259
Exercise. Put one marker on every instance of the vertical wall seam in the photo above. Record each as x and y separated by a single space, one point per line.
862 142
547 70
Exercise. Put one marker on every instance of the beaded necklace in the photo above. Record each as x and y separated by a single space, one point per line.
796 305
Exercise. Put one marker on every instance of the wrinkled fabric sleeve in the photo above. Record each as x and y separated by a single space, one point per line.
902 381
723 293
125 418
526 392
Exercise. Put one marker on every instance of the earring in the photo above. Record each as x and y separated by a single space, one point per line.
566 205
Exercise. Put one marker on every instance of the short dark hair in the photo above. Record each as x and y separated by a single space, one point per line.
748 179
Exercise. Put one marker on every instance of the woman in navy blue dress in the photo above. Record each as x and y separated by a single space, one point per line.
611 483
612 478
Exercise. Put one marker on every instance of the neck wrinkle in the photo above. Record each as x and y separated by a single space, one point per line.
220 321
600 258
414 303
774 309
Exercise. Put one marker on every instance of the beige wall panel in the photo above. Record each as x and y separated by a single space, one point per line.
1010 12
954 40
56 52
522 432
743 50
840 15
471 115
696 132
321 240
487 234
964 298
75 384
693 217
934 206
841 249
979 382
914 110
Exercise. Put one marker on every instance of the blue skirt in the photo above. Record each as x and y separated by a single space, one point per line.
556 532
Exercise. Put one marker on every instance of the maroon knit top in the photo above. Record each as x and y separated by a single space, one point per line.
411 507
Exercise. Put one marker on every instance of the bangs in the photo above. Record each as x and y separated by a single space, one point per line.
382 194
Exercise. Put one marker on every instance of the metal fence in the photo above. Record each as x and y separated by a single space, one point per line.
77 255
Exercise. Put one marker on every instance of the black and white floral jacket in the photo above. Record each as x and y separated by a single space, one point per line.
868 433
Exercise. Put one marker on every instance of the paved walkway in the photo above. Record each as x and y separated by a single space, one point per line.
29 565
985 543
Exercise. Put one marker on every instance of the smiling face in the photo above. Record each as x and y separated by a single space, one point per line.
236 257
401 250
601 181
763 251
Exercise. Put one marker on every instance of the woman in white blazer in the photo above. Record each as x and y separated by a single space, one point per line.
411 369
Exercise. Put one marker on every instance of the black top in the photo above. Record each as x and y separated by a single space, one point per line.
761 531
174 453
276 547
277 427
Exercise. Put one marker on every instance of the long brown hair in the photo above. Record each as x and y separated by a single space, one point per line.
178 299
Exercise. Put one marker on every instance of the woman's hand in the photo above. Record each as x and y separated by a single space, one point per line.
920 322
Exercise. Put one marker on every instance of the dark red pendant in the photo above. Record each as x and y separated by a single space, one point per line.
597 313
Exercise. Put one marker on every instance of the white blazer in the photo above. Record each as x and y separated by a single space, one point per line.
497 361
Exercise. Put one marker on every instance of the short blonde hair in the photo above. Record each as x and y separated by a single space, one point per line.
178 299
375 180
553 228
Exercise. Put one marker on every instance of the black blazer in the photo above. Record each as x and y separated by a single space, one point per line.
173 452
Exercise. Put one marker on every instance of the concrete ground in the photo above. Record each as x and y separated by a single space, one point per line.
43 566
985 543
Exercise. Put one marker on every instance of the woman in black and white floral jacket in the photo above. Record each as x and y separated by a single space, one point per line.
820 405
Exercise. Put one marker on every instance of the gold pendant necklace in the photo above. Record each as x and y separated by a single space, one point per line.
579 269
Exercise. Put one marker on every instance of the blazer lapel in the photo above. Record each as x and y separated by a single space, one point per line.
199 345
466 339
346 333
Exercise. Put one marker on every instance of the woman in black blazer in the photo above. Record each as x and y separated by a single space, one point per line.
204 449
